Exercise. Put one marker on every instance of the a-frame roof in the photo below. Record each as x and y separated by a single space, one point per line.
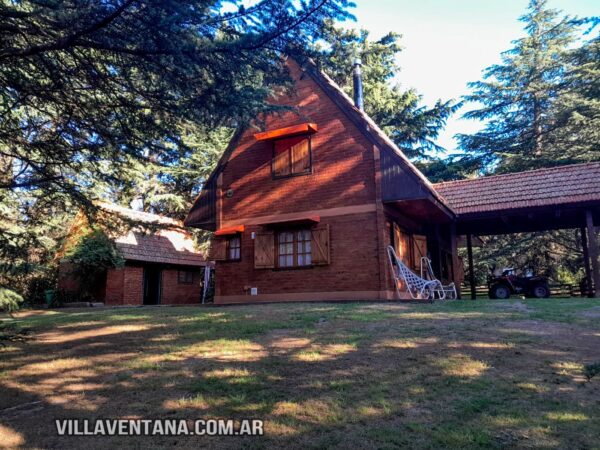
368 127
202 204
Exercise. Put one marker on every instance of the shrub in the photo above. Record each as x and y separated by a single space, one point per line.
10 301
591 370
93 255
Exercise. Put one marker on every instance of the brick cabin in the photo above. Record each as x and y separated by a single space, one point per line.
162 265
304 208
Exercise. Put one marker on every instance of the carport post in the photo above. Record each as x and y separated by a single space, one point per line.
593 249
455 260
586 262
471 273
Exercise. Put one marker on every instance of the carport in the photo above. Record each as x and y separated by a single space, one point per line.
564 197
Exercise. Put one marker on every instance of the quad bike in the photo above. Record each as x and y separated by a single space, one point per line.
509 283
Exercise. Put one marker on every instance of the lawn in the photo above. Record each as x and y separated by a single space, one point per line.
505 374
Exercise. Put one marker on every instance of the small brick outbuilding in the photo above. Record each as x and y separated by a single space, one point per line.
162 265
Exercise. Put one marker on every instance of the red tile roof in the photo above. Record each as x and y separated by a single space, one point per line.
563 185
157 239
164 246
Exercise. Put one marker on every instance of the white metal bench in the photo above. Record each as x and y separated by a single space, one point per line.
419 288
448 290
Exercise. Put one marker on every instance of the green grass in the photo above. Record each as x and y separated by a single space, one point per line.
464 374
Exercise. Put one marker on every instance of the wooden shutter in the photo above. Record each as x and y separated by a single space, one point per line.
401 245
419 250
320 245
264 250
300 157
281 163
218 250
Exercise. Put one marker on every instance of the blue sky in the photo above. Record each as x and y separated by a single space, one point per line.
448 43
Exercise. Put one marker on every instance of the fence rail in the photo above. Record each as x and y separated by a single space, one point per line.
556 290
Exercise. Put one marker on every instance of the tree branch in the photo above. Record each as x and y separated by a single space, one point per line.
67 41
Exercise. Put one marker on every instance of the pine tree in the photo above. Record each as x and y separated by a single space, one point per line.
96 96
170 182
576 113
519 95
542 109
87 86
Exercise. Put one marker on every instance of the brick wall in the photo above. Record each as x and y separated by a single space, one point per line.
343 170
174 293
114 286
74 290
125 286
354 265
343 175
133 285
66 281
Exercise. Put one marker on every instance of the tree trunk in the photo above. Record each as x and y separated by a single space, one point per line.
537 127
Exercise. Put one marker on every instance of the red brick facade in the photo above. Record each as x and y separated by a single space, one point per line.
154 260
343 170
174 292
133 285
353 266
125 286
114 286
357 189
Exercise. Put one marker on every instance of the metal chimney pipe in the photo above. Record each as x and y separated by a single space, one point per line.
358 88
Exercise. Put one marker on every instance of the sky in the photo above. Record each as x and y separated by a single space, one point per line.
448 43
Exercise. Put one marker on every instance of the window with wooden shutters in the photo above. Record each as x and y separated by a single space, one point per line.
291 156
294 248
264 250
320 245
218 249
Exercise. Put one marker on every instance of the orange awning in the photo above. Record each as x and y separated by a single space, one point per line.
297 220
230 230
286 132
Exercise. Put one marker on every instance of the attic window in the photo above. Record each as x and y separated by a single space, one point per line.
291 156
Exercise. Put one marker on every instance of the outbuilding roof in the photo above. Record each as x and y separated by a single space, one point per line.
163 246
167 242
562 185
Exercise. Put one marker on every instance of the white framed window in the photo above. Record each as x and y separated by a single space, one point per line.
234 248
294 248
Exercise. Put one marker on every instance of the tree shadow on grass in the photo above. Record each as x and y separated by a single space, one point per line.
319 376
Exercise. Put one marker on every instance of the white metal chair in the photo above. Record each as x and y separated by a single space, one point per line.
449 290
418 287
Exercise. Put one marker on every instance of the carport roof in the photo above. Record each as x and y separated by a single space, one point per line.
575 184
